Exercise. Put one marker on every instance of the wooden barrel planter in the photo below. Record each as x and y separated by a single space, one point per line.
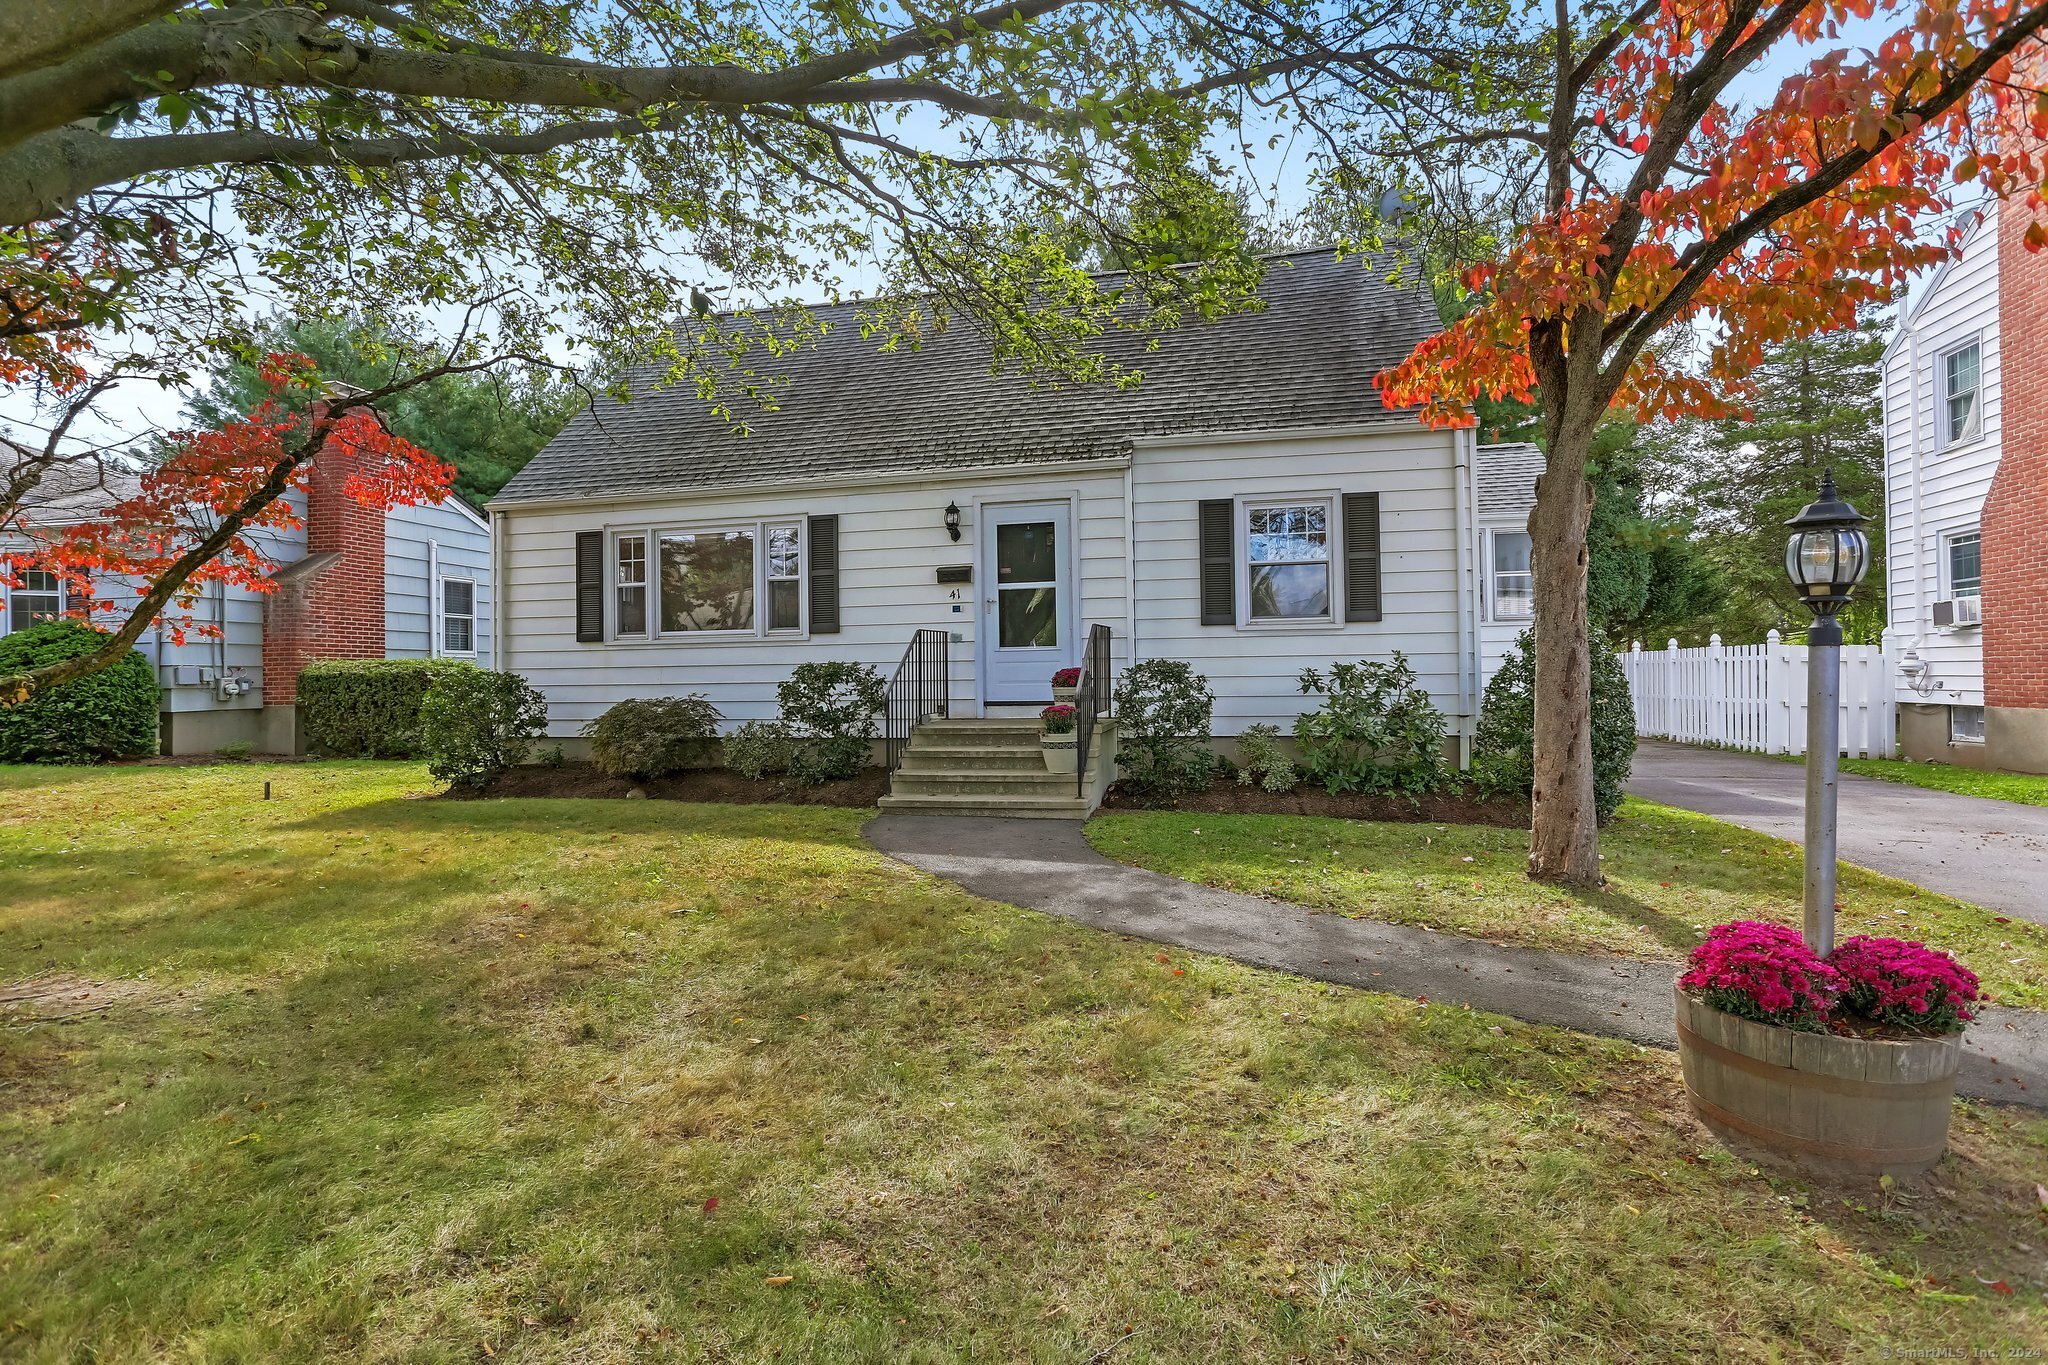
1845 1104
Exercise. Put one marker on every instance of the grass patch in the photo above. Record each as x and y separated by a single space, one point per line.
396 1079
1671 875
2025 788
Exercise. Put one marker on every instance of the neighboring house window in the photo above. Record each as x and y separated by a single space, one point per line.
1514 585
1962 410
40 597
727 580
1287 561
1965 564
458 616
632 585
1966 724
785 573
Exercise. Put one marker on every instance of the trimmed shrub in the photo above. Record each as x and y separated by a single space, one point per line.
367 708
476 723
650 737
758 749
1765 972
1376 731
108 714
1260 760
1163 713
1503 747
829 710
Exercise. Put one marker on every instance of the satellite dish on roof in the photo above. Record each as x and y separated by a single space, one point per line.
1394 206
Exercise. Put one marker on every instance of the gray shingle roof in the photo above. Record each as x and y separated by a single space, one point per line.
1306 360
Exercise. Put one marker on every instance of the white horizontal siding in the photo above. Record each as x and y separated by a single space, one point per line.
892 541
1253 671
1932 489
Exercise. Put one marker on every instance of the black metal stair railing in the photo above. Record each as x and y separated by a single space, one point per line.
919 690
1091 700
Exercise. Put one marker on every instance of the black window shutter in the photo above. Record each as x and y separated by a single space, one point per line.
74 597
824 548
1361 556
589 586
1219 569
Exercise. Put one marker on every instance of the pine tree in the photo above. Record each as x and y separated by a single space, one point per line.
1816 407
486 425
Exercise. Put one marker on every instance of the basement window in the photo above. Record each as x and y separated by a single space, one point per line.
1966 725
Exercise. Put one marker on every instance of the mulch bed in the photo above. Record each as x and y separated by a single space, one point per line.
1226 797
699 784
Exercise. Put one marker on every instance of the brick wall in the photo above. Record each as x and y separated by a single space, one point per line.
2015 522
333 610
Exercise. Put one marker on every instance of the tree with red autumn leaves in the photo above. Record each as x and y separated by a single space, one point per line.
196 515
1677 232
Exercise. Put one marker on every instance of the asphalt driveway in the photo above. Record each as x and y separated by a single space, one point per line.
1993 853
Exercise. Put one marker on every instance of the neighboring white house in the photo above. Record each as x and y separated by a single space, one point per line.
352 582
1965 562
1250 507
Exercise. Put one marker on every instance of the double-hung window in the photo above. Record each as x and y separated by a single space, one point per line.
632 585
706 581
1514 582
38 597
458 616
1961 390
1287 558
1965 564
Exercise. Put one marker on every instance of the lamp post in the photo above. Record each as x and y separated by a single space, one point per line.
1826 558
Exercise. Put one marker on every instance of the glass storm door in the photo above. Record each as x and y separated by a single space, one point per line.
1027 608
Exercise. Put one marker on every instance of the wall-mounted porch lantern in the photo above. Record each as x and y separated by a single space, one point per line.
953 520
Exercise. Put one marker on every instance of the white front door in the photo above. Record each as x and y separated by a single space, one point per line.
1027 599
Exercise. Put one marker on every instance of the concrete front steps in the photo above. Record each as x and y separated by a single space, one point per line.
986 767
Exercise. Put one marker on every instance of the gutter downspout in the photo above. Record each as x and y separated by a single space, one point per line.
498 593
1917 544
1131 655
434 604
1466 497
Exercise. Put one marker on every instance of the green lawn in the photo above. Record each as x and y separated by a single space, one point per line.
1944 777
1671 875
355 1075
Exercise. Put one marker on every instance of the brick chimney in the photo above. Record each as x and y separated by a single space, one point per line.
2015 518
329 605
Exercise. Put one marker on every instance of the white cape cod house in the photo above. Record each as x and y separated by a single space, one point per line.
1250 507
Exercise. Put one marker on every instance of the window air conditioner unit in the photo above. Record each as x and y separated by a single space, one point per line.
1959 611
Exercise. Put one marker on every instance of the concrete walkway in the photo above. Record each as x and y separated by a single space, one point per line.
1046 865
1991 853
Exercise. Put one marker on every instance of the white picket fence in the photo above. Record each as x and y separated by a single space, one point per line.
1754 696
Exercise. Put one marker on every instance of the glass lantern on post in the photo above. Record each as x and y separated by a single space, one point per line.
1826 556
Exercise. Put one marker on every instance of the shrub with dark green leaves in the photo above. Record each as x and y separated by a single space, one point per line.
1503 748
650 737
367 708
829 711
1163 714
476 723
108 714
1377 730
1261 760
758 749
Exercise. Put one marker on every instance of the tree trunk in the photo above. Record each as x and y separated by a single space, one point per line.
1564 840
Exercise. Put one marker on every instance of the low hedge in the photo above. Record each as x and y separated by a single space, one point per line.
367 708
108 714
